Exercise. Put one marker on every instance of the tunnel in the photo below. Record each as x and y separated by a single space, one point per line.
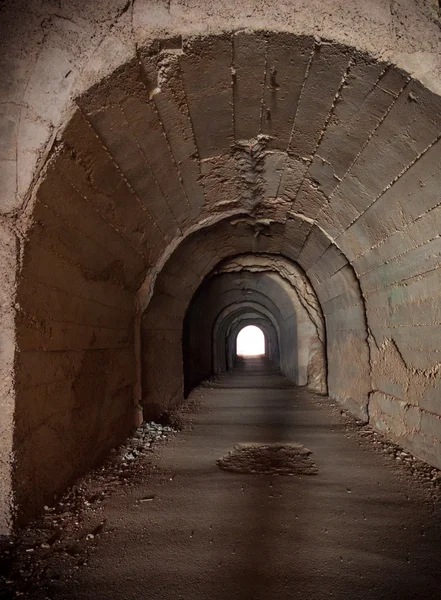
293 324
173 172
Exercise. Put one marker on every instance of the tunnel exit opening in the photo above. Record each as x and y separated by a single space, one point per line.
250 342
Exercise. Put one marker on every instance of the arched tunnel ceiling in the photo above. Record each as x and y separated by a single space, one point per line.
328 136
288 145
60 51
313 139
291 272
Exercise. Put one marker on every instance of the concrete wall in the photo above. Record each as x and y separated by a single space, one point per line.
75 372
162 322
8 273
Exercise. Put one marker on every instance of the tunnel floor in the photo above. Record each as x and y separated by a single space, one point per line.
360 527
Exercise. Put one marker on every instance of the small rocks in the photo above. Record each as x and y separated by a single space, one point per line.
403 460
98 529
142 440
61 540
274 459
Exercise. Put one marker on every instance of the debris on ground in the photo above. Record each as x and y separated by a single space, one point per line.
59 542
372 440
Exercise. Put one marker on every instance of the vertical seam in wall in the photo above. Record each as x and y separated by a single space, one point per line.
118 168
334 103
172 156
371 135
322 133
392 183
305 78
397 256
307 71
164 196
103 218
400 256
188 108
233 83
190 118
405 226
83 234
264 78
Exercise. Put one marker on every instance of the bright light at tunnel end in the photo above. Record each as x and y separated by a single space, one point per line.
250 342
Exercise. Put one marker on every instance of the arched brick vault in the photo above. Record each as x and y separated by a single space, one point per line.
321 153
306 366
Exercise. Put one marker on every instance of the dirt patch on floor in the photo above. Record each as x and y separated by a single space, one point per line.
269 459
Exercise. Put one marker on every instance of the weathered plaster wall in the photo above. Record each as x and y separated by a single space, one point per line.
310 326
333 154
8 270
51 52
162 322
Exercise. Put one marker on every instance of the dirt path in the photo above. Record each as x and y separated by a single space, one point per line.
363 522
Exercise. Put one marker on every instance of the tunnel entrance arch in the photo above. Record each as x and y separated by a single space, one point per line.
226 327
251 341
272 351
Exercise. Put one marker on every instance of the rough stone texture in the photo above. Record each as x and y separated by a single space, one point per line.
52 53
301 337
310 326
120 139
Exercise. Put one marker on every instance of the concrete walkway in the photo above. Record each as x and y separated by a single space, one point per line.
361 528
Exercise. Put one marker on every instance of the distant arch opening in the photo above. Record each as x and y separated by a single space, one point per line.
250 342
